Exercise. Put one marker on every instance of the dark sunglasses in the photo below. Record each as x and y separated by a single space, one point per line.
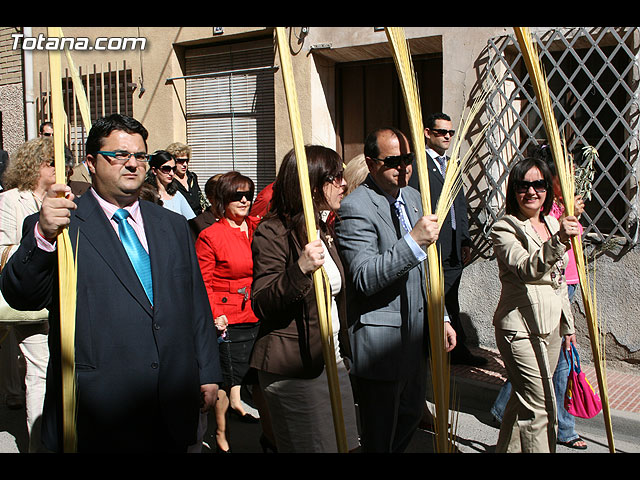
182 160
522 186
441 132
167 169
336 179
394 161
239 195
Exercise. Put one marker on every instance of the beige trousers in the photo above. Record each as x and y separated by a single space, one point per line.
529 424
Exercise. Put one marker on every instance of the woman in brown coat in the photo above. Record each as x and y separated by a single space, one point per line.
288 351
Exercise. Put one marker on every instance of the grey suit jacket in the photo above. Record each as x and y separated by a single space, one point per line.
534 295
387 294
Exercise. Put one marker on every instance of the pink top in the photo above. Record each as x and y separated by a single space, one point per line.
571 272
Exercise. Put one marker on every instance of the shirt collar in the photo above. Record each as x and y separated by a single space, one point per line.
389 198
109 208
433 154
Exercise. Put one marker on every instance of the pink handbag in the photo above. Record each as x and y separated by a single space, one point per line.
580 399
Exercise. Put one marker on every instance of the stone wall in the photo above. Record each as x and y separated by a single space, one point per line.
617 278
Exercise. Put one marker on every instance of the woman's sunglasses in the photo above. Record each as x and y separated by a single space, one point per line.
336 179
239 195
522 186
167 169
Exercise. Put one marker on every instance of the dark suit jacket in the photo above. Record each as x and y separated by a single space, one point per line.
192 194
452 264
139 369
202 221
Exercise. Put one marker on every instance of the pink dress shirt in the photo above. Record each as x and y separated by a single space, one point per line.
135 220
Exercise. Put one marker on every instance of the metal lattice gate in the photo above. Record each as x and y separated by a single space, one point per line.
593 78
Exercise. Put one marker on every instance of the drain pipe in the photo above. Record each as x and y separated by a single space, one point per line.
29 97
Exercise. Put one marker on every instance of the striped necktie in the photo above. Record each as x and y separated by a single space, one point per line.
443 168
136 252
404 221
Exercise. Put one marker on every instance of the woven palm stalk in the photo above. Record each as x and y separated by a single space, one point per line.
78 88
321 285
566 177
458 164
67 266
440 367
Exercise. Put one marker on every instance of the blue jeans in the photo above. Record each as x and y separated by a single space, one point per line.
566 421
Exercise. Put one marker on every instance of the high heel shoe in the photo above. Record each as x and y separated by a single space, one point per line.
220 450
245 418
267 445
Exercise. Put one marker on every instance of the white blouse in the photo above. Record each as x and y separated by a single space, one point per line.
335 281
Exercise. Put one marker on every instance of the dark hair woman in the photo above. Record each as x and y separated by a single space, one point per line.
162 167
567 434
288 352
224 253
534 312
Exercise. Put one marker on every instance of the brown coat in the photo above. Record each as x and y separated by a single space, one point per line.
284 300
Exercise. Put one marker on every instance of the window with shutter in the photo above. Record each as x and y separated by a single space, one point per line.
230 110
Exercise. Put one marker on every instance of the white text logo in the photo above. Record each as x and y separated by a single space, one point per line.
77 43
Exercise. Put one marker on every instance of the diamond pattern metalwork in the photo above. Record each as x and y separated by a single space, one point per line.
593 74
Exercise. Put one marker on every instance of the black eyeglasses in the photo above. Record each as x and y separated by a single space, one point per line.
522 186
239 195
47 134
167 169
441 132
394 161
182 160
122 156
336 179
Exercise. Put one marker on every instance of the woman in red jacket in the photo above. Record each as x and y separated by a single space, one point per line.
224 253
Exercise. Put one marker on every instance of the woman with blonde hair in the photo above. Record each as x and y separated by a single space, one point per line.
184 179
29 175
355 172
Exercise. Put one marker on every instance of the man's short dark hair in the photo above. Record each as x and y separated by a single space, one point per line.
431 119
103 127
42 125
371 148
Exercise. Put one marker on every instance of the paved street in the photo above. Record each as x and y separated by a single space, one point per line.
475 431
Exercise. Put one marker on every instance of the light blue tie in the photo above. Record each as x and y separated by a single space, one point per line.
136 252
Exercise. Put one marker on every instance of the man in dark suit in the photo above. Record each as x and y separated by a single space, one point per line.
453 241
146 353
381 234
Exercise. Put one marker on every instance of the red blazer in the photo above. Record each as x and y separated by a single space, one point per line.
224 254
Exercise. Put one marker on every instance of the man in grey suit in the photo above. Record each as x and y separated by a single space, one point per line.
382 236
